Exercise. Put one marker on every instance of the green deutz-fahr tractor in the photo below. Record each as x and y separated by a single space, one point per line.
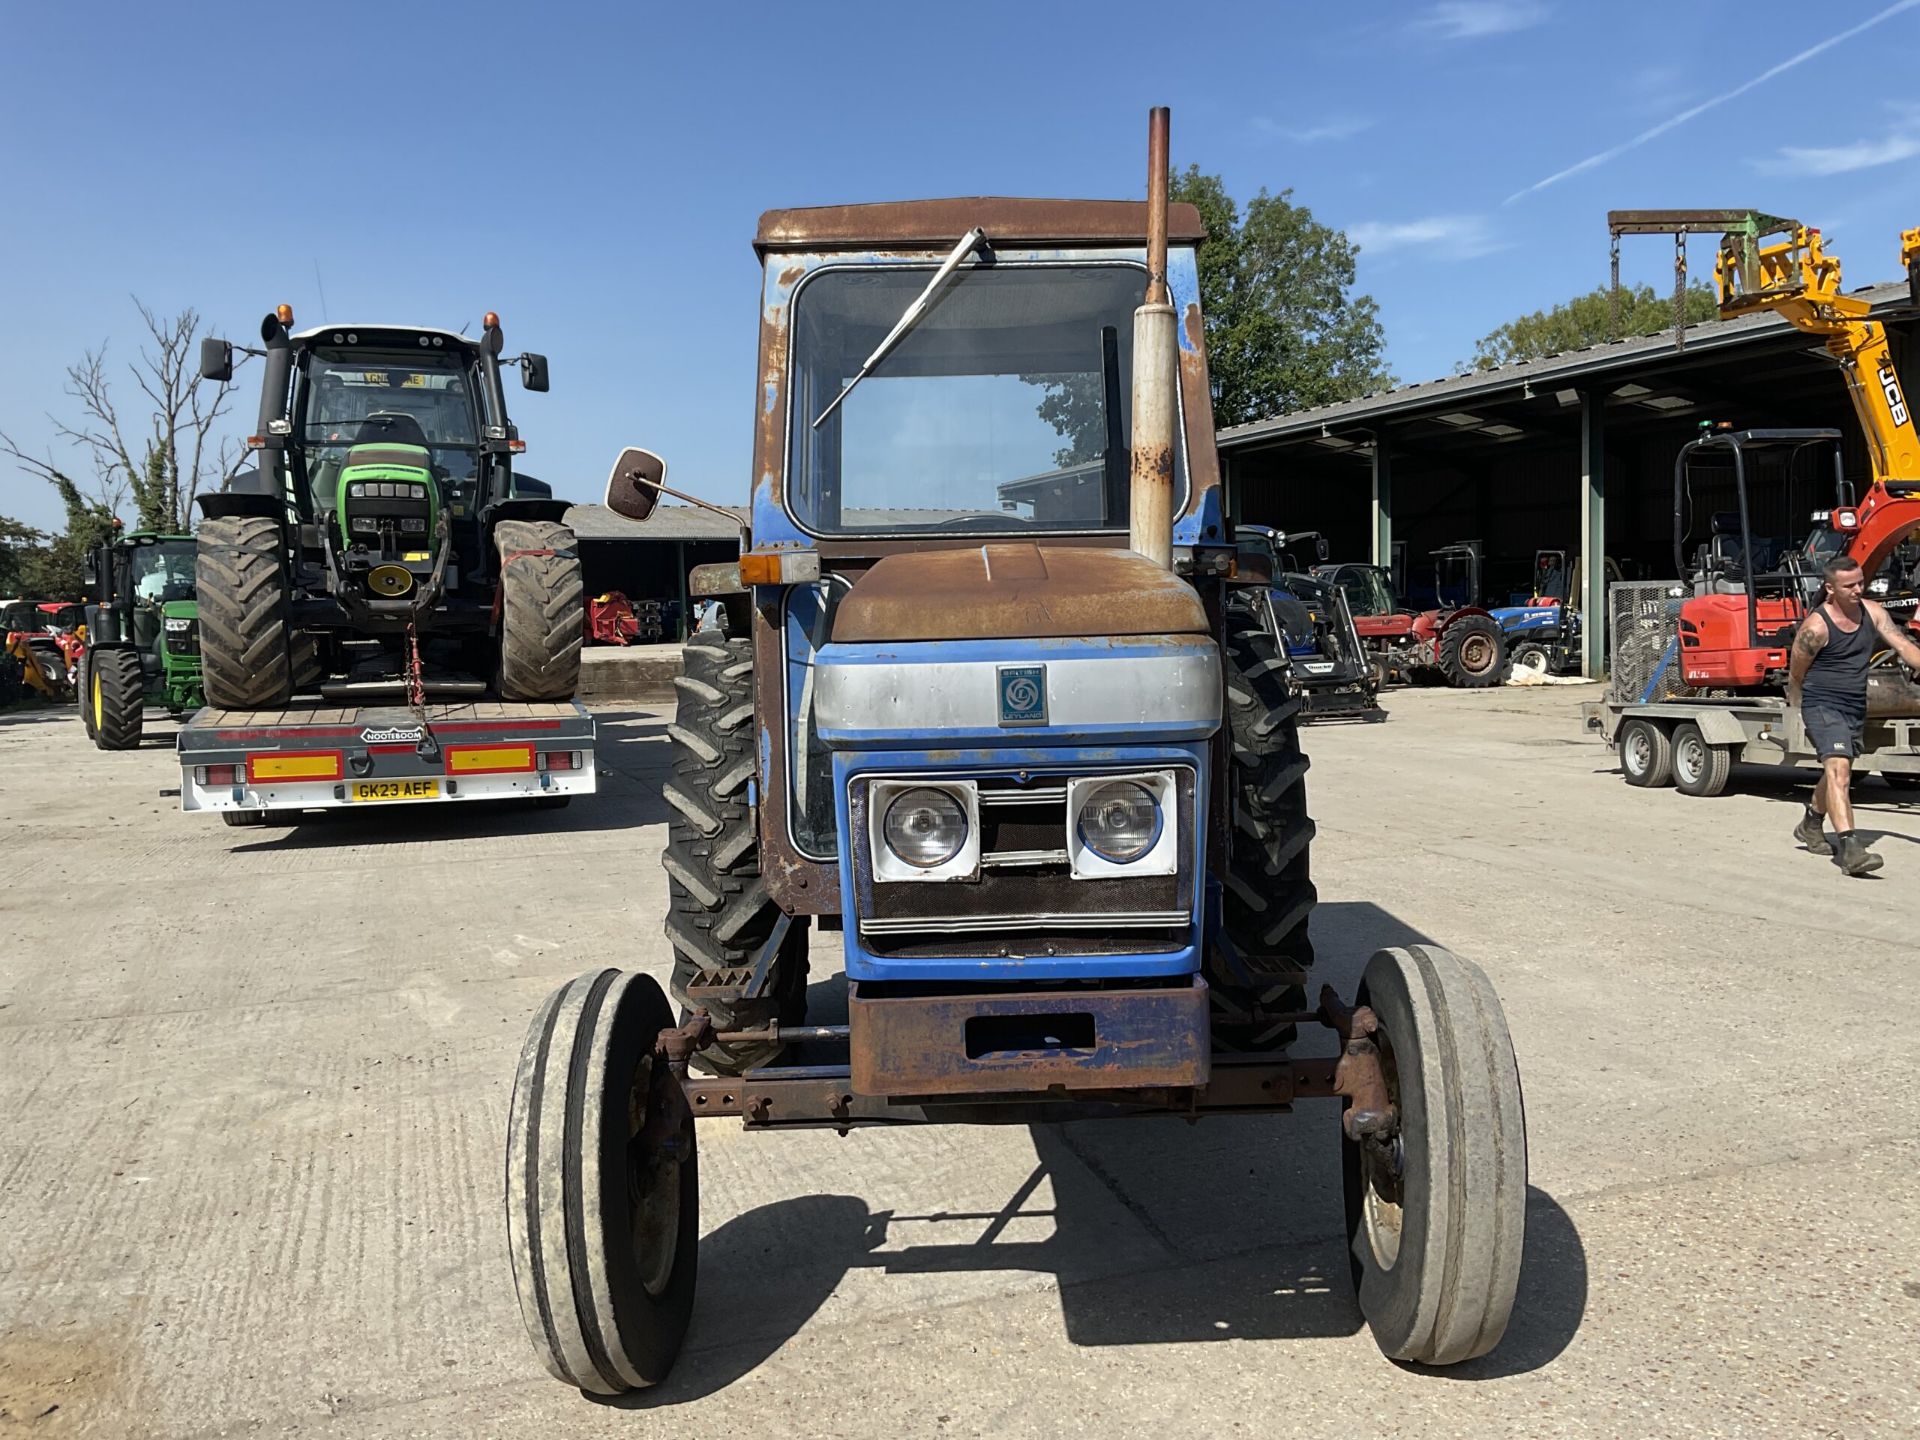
383 547
143 636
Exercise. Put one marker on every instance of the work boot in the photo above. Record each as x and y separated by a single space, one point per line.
1809 834
1854 856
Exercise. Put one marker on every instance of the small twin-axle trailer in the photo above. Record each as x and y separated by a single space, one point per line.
253 765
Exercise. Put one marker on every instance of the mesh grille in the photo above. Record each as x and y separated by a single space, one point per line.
1641 617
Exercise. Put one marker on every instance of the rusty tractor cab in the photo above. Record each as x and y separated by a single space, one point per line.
988 708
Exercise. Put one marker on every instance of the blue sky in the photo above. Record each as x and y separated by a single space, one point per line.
594 173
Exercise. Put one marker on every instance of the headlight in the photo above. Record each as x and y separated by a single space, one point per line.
1124 826
925 827
413 525
176 624
1119 821
363 525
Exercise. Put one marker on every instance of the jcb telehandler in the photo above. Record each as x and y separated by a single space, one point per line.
988 708
383 546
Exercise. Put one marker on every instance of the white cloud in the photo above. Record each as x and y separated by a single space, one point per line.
1451 237
1477 19
1799 58
1901 142
1342 128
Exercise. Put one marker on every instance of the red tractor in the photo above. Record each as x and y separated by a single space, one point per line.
1458 641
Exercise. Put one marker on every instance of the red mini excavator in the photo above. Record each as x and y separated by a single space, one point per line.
1749 594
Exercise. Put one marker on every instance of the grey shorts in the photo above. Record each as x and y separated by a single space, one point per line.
1833 732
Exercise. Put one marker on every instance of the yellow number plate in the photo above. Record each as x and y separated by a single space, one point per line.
395 790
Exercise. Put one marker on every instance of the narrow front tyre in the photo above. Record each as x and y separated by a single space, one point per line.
1436 1207
602 1186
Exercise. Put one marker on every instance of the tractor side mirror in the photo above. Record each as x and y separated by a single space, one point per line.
1321 549
90 570
216 360
525 487
633 488
533 373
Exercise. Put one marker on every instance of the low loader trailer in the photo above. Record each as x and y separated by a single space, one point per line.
257 766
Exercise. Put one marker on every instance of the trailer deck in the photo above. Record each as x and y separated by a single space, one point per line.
249 764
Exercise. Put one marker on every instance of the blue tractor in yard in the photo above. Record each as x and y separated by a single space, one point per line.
1542 626
990 708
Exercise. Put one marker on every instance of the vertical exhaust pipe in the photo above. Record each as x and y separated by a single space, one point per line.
1156 371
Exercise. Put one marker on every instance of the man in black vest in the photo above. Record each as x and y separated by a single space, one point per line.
1827 683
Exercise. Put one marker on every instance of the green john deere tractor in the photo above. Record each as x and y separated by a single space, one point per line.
143 636
383 546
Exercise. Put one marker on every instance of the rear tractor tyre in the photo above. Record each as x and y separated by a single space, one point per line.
720 916
542 610
1436 1215
1473 653
1699 768
240 581
603 1187
117 693
1646 754
1269 895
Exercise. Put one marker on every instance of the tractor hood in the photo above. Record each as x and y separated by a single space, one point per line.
180 610
1016 592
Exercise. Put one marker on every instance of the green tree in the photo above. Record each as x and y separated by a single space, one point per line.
53 571
1284 329
20 547
1588 320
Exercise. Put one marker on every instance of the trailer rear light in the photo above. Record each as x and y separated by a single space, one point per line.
562 760
216 777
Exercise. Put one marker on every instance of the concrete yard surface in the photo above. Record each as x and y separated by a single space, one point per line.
255 1088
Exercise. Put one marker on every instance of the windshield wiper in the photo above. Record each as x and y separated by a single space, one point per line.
974 239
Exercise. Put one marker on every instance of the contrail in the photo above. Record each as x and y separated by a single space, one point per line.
1685 115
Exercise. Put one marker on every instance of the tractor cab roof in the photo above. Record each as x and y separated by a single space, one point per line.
913 224
385 337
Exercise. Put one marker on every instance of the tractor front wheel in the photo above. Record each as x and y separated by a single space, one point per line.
117 697
1437 1205
542 610
603 1186
1473 653
240 580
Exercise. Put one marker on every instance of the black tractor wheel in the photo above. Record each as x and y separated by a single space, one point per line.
542 610
83 690
1533 657
721 918
1437 1207
117 693
1253 970
1646 754
240 580
603 1186
1473 653
1699 768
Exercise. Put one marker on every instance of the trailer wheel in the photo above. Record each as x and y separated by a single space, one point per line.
1699 768
1436 1213
543 611
241 818
1646 754
720 915
603 1190
240 582
1269 894
1473 653
119 698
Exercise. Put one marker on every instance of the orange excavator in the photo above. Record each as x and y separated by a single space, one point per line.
1735 628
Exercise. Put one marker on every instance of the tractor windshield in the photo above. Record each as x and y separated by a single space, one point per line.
349 398
992 415
164 571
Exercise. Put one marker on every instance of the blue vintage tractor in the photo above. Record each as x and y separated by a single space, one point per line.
989 710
